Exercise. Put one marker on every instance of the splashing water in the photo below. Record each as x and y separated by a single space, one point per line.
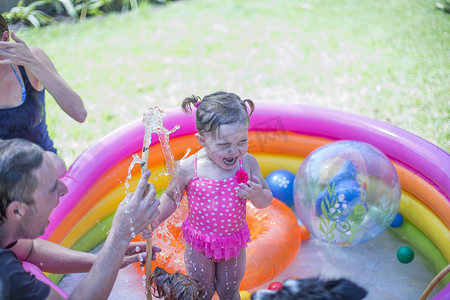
153 122
136 159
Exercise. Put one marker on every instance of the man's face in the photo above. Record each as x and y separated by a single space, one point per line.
46 196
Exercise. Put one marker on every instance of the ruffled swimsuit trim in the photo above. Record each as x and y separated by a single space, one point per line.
221 245
216 247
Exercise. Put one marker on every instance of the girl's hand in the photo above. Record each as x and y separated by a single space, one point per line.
256 192
251 190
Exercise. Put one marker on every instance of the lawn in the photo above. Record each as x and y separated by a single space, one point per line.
387 60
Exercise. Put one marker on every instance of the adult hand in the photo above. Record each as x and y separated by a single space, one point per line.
137 252
137 210
16 53
147 233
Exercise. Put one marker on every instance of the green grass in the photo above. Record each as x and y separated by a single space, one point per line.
387 60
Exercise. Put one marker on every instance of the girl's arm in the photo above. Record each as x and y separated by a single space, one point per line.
167 208
174 192
256 190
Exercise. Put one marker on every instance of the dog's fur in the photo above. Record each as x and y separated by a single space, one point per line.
176 286
314 289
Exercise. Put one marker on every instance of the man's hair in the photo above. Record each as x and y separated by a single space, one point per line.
18 161
3 25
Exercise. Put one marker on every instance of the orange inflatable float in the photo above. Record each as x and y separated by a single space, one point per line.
275 240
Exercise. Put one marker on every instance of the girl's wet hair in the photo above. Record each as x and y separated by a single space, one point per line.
3 25
176 286
217 109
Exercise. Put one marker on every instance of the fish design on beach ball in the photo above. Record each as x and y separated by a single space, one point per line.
343 198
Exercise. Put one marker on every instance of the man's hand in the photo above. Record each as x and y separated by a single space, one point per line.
136 211
137 252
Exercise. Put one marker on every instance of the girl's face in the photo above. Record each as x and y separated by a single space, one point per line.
227 145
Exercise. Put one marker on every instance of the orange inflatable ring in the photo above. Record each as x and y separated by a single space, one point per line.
275 240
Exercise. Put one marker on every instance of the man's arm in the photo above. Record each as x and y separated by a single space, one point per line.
132 216
53 258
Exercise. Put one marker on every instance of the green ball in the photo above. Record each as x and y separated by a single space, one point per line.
405 255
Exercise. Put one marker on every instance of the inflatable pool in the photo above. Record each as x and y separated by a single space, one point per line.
281 136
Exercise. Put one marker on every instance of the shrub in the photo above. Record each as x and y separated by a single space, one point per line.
76 9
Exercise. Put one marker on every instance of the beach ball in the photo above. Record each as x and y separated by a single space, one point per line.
346 193
281 183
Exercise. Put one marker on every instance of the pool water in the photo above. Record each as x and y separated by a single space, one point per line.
372 265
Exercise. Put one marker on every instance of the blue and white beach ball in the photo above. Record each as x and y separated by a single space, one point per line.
346 193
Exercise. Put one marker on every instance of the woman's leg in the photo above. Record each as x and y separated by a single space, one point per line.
229 274
199 267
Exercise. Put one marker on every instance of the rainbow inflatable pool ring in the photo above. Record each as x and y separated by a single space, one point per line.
281 136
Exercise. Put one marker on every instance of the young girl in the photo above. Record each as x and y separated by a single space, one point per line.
218 180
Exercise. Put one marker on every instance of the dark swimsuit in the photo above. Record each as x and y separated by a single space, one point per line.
27 120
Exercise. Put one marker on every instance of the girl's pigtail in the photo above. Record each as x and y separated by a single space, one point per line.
190 102
250 106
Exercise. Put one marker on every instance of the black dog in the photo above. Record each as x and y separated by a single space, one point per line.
313 289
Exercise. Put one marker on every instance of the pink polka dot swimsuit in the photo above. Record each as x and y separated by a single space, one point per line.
216 222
